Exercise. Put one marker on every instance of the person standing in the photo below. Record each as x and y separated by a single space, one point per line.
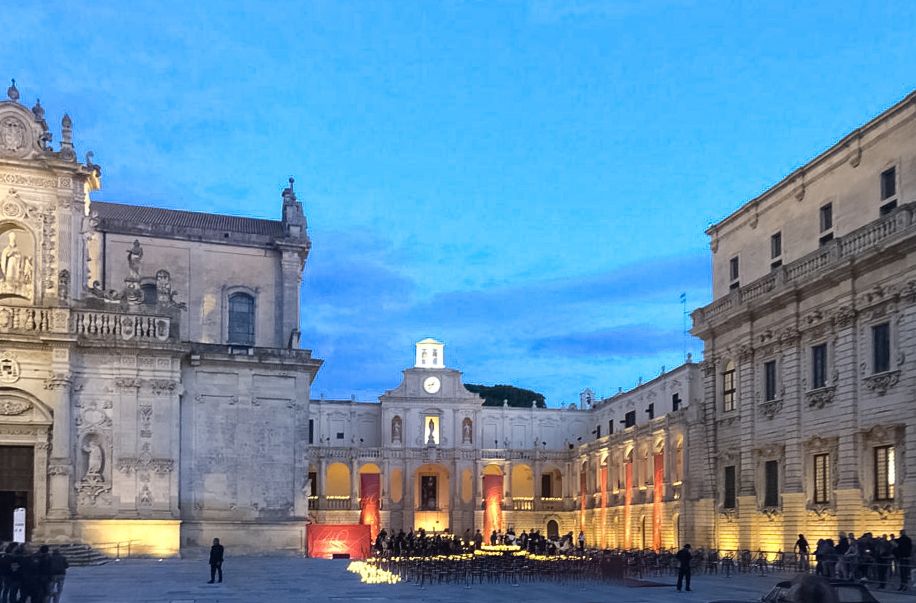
581 540
683 572
216 560
903 552
59 567
801 547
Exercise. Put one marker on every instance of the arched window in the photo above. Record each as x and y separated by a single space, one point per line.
241 319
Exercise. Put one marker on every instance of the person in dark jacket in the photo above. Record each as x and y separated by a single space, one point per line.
683 572
59 567
216 561
902 553
5 570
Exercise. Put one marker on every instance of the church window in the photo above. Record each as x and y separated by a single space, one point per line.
241 319
728 501
885 472
771 484
728 387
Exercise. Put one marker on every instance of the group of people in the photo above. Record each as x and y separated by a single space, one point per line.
27 577
421 544
867 557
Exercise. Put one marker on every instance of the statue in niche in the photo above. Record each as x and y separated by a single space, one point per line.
466 432
431 439
95 458
11 261
396 430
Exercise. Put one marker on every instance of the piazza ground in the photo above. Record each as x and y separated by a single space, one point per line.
281 579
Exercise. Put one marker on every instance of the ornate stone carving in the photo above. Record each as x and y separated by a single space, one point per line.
771 513
821 397
132 292
882 382
770 408
57 381
145 497
58 469
145 414
14 136
128 383
14 406
9 368
63 285
162 386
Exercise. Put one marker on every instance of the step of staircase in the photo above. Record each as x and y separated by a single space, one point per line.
77 554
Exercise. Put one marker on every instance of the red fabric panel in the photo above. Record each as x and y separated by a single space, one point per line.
657 501
492 505
325 540
370 490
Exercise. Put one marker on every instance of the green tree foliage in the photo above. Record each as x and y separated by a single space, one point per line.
494 395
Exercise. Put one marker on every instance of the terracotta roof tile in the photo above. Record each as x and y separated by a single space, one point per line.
175 218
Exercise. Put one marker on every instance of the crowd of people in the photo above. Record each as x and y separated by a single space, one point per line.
868 557
27 577
421 544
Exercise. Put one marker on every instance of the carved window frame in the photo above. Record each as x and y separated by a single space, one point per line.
728 460
775 452
721 386
869 440
814 447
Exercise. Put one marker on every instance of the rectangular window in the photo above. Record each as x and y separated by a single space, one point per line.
651 410
819 366
598 430
610 427
733 268
825 239
821 479
885 472
776 246
881 348
340 435
889 183
728 389
311 431
888 207
769 380
826 214
629 419
313 483
729 499
675 402
545 486
771 484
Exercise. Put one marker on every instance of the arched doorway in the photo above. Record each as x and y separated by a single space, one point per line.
553 530
25 424
431 495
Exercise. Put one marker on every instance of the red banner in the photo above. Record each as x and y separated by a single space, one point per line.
657 501
370 491
492 505
627 501
326 540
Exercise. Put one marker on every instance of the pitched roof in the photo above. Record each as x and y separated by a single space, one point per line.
155 218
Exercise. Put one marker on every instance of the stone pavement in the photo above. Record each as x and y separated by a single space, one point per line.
288 579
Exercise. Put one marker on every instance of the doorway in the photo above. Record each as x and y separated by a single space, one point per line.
17 469
553 530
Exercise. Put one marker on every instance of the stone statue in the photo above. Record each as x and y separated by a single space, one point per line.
94 464
134 256
11 261
432 430
396 429
466 431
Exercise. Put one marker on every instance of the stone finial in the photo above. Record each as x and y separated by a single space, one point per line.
38 111
289 194
12 91
66 139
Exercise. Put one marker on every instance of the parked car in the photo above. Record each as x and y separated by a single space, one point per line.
846 592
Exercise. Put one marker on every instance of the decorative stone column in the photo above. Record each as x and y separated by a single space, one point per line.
61 461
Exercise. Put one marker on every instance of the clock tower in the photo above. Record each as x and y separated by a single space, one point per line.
430 354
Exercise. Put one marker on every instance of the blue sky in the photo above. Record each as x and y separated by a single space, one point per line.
527 181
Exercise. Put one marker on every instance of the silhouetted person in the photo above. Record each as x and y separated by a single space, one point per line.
683 571
903 552
216 561
812 589
59 567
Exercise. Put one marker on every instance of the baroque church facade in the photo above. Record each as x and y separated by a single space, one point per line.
153 389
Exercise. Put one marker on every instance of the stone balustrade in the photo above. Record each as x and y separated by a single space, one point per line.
103 325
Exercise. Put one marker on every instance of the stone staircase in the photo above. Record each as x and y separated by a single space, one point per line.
77 554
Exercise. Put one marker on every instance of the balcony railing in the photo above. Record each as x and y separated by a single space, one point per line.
834 254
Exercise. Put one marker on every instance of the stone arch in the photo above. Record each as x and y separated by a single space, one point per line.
552 529
522 481
337 480
19 406
19 266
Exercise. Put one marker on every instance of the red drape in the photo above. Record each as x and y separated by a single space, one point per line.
627 502
370 490
657 501
492 505
325 540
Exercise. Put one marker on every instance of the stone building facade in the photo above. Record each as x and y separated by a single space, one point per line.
152 388
809 375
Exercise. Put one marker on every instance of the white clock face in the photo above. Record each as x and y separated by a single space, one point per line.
431 385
